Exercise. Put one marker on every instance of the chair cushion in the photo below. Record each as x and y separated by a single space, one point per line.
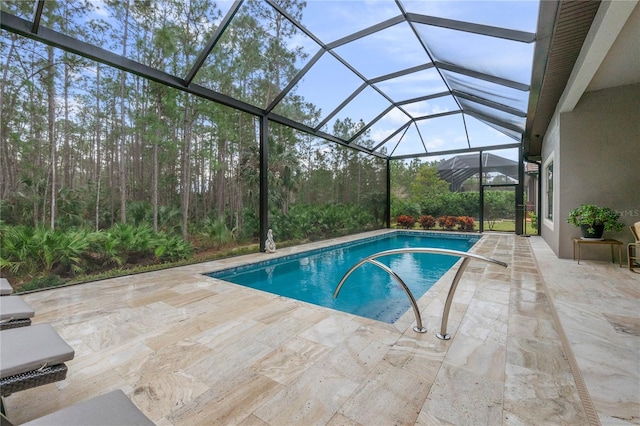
5 287
29 348
113 408
13 307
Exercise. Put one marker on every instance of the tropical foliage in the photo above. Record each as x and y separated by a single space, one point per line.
31 252
104 169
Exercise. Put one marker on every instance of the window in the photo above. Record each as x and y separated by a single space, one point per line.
549 191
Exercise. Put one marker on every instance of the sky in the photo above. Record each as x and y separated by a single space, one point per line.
397 48
400 47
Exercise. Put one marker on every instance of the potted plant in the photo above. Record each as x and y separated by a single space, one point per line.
593 220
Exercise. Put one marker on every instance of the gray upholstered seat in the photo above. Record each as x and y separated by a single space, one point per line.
30 348
113 408
5 287
14 312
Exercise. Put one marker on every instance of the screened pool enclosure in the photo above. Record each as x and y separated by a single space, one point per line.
244 111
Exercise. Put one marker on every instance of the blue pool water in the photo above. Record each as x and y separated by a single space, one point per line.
369 292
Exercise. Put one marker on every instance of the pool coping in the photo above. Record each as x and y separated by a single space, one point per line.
313 251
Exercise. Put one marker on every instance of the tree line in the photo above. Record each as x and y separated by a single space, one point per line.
86 146
417 191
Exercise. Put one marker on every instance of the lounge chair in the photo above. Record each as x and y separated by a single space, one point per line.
32 356
113 408
14 312
5 287
633 249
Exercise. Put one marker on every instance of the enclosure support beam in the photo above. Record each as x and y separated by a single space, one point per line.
387 211
481 187
521 204
264 182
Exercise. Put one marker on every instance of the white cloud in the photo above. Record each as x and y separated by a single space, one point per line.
381 134
396 117
434 142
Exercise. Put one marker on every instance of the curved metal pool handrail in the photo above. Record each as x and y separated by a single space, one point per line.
452 289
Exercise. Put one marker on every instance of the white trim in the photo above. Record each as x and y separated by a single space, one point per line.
545 200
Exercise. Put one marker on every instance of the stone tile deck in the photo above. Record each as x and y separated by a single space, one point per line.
543 342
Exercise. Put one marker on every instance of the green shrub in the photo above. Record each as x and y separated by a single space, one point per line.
216 231
534 220
28 251
125 243
171 248
400 207
320 221
45 281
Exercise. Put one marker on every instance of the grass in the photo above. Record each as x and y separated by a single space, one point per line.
504 225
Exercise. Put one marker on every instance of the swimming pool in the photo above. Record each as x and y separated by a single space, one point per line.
370 292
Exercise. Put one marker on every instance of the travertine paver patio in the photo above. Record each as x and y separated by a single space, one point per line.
191 350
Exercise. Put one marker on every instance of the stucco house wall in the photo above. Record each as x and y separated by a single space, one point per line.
596 153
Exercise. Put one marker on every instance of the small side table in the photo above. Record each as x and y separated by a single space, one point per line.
579 241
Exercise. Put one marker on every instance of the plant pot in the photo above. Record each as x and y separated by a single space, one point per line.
597 235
